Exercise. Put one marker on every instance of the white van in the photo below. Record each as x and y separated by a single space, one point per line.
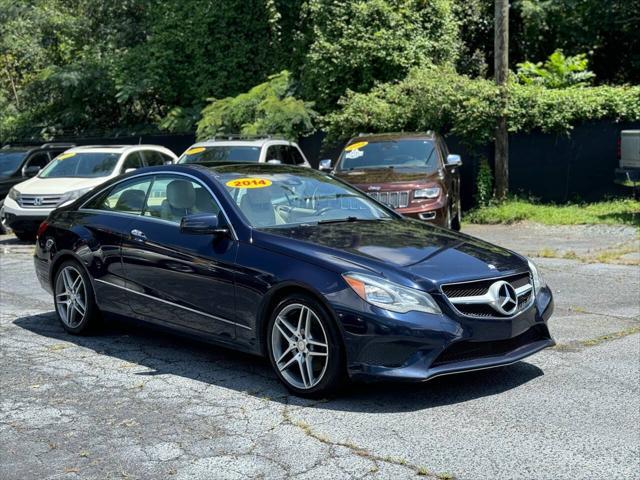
70 175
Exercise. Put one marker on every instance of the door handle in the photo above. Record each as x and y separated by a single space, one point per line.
138 235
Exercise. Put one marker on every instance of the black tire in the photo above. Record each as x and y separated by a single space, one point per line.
25 236
456 223
90 319
329 377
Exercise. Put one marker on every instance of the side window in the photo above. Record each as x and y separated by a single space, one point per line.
287 155
133 160
298 159
174 197
274 152
127 197
167 158
154 158
38 160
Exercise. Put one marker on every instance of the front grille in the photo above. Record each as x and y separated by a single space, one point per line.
395 199
469 350
481 287
39 201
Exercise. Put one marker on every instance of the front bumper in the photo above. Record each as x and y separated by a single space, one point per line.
426 346
24 219
432 212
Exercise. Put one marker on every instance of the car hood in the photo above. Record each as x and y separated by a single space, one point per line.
368 176
395 248
46 186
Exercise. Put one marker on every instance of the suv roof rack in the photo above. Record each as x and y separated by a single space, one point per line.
384 134
106 146
57 144
242 136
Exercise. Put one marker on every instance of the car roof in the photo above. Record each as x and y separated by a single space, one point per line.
29 148
257 142
390 136
113 148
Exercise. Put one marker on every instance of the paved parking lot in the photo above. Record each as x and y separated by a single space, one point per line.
131 403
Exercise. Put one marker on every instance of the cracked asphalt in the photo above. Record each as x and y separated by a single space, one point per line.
134 403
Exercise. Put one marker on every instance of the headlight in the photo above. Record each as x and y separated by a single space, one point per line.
70 196
390 296
432 192
538 281
14 194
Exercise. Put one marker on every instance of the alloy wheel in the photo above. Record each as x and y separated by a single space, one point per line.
71 296
299 346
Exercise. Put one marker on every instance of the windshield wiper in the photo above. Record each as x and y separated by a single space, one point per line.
349 219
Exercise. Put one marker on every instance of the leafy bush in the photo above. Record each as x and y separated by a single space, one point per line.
484 184
558 71
354 44
436 98
623 211
268 108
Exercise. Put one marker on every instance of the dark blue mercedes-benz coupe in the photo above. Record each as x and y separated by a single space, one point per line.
293 264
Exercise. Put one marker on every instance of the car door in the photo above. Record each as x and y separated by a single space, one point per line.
179 279
107 217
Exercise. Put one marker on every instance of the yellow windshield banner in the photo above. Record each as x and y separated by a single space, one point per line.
249 183
193 151
355 146
66 155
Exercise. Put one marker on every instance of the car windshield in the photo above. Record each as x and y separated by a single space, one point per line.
81 164
401 154
9 162
273 196
221 154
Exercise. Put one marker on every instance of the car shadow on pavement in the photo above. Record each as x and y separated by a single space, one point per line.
157 352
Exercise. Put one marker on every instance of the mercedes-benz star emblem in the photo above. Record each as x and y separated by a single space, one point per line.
505 299
37 201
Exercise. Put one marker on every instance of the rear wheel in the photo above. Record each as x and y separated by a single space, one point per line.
304 346
456 223
25 236
74 299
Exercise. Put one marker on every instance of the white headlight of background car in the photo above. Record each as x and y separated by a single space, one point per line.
70 196
14 194
390 296
431 192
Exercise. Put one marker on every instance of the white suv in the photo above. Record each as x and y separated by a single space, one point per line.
238 149
70 175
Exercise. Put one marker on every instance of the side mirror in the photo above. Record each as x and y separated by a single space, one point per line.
202 224
30 171
454 160
325 165
274 161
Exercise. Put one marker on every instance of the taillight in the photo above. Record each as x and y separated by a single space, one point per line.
41 229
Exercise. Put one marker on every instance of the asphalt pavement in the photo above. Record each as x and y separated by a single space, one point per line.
134 403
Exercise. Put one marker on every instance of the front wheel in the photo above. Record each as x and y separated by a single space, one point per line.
74 299
304 346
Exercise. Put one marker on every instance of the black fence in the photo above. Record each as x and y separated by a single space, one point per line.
548 167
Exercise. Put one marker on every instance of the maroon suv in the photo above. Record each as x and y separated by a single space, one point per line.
412 172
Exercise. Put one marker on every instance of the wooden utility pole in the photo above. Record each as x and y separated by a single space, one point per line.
501 69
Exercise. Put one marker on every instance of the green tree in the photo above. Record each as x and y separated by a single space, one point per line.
558 71
353 45
268 108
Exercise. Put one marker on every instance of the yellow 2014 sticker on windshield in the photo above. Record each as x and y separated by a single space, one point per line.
355 146
249 183
66 155
193 151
